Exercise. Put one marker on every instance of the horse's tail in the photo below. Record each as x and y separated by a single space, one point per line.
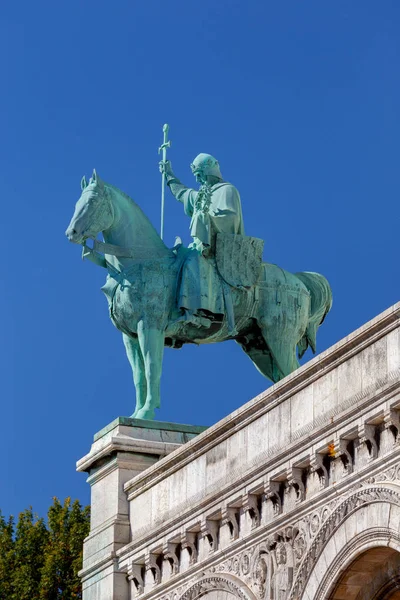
321 303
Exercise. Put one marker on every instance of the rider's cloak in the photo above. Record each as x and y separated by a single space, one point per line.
219 212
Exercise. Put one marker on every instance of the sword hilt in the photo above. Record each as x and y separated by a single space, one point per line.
167 143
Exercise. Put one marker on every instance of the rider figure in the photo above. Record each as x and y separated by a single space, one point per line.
215 208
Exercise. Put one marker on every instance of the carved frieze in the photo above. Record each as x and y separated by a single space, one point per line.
213 583
353 501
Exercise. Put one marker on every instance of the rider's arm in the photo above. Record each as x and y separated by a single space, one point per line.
183 194
176 187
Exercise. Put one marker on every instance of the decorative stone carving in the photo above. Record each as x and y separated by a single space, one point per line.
170 554
392 422
250 505
269 567
341 449
272 492
299 546
135 576
356 499
367 436
282 577
295 480
229 517
209 532
189 542
317 466
211 583
391 474
153 568
245 563
260 575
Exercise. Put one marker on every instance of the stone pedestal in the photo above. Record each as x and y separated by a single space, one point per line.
119 452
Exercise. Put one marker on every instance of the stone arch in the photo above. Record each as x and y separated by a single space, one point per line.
373 574
219 587
368 518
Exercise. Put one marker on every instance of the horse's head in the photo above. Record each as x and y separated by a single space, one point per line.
93 211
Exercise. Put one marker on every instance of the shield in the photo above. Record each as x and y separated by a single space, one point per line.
239 259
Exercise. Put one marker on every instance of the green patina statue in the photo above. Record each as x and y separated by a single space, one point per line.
214 209
217 289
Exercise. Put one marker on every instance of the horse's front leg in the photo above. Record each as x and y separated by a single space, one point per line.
151 343
136 361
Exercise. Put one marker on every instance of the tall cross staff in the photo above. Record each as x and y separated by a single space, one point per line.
166 144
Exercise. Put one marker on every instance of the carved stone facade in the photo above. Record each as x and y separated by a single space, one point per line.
294 495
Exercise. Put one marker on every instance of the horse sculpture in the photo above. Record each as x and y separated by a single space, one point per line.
280 313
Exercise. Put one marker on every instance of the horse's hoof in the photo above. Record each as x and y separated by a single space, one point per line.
145 413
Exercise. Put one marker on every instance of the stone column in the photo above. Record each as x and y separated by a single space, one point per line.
119 452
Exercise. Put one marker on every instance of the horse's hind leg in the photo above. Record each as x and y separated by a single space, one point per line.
136 361
275 361
152 347
284 357
281 344
262 360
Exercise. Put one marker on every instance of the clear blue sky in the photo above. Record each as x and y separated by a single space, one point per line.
299 101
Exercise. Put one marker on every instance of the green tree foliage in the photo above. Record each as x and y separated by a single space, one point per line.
39 560
6 556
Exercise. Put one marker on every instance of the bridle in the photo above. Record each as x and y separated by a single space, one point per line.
100 248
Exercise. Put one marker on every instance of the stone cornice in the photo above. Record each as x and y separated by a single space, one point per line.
278 393
137 548
261 464
125 444
140 424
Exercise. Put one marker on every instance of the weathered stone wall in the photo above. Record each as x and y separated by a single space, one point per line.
274 502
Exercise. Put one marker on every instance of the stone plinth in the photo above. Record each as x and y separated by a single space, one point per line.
123 449
275 502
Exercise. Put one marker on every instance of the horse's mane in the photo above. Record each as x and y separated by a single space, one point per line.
125 195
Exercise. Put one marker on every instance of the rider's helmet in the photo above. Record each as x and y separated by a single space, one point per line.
205 165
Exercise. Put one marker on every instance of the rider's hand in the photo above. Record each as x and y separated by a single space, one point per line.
166 168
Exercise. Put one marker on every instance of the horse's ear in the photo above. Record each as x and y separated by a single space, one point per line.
83 183
96 179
